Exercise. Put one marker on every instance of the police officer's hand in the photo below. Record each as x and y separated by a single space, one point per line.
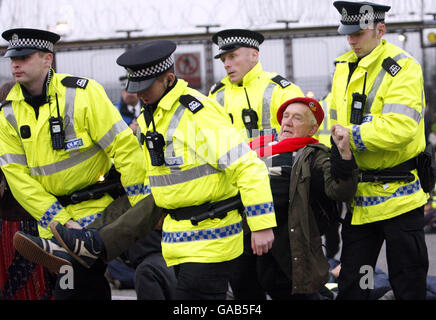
72 225
261 241
341 137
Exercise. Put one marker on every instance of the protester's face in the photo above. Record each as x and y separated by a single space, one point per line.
130 99
296 122
364 41
239 62
31 68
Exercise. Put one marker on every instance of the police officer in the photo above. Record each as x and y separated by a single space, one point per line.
251 97
248 94
378 96
59 136
201 174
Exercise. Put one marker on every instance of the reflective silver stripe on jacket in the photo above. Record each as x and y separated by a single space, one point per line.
220 97
109 137
174 122
70 97
402 109
233 155
182 176
324 129
266 106
64 164
377 83
9 158
10 116
333 114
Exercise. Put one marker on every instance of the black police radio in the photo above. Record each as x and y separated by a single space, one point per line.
358 105
154 141
249 118
57 130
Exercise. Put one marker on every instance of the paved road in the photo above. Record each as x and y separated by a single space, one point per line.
381 263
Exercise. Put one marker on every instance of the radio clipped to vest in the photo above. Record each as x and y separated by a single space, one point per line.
358 105
249 118
57 130
154 141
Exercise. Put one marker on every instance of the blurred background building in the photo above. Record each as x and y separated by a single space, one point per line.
301 36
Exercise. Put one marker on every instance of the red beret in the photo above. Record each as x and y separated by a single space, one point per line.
313 105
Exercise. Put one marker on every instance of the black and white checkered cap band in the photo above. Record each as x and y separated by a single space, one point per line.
30 43
358 18
237 40
151 71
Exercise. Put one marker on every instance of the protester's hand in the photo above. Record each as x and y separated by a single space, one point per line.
261 241
73 225
341 137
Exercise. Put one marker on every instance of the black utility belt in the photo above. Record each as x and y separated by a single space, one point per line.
212 210
400 172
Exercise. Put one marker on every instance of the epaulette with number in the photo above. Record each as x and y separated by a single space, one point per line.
283 82
216 87
191 103
391 66
75 82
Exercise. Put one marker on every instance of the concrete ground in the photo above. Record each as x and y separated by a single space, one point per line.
381 263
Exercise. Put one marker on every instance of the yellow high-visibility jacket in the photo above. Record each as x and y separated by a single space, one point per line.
324 131
266 92
206 160
392 130
96 137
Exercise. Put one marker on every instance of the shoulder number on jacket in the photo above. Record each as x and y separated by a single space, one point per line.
75 82
191 103
283 82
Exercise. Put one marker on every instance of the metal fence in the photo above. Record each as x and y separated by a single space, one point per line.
307 59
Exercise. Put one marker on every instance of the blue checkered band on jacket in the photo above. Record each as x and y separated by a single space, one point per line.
48 216
401 191
203 234
137 189
258 209
88 220
357 138
30 43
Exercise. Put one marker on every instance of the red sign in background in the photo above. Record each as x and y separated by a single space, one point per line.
188 68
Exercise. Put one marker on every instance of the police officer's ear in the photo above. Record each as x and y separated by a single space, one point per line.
47 58
170 77
380 30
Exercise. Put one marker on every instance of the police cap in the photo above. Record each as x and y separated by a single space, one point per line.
357 16
23 41
146 62
232 39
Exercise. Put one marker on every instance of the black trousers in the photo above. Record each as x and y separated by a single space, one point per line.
203 281
406 254
154 280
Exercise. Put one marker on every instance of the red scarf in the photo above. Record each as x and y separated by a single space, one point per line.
286 145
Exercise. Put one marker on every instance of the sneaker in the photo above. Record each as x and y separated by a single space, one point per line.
84 245
46 252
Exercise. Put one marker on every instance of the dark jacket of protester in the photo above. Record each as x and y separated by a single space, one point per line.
317 176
